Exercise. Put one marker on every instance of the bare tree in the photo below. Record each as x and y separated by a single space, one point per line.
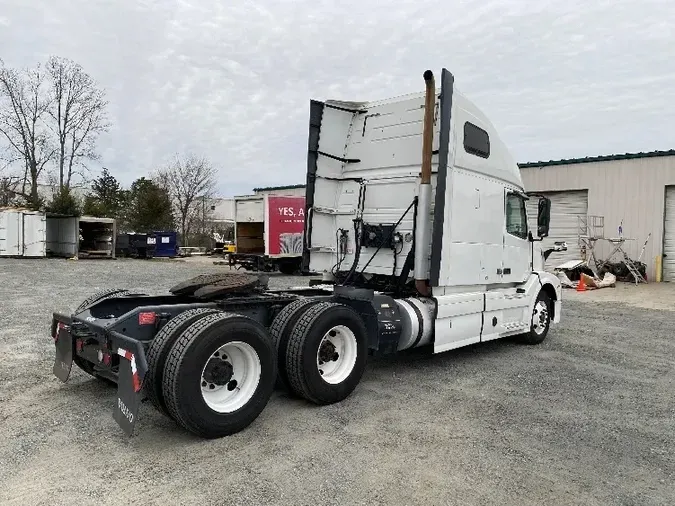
23 107
9 186
191 182
78 111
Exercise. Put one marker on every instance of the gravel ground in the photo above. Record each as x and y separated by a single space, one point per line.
585 418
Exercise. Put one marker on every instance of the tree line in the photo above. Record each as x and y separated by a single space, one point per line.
51 117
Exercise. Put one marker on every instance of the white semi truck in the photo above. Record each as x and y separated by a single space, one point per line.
415 217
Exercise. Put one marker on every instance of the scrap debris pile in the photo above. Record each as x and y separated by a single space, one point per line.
621 272
578 275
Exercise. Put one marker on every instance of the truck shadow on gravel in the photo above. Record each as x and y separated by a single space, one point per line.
424 358
417 365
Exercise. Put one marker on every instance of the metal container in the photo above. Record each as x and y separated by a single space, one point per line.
22 233
166 244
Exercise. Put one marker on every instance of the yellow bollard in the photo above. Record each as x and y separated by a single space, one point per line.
659 268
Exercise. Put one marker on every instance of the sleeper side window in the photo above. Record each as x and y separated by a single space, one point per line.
516 215
476 140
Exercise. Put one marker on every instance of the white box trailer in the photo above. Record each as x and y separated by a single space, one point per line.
268 232
96 237
22 233
34 234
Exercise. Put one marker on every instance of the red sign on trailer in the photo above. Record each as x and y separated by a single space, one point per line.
285 225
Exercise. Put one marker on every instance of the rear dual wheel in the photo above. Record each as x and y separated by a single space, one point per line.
159 351
325 353
218 374
281 329
108 293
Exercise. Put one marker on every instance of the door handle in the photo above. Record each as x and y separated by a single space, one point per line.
507 270
499 271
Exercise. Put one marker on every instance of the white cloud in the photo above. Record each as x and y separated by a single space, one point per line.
234 81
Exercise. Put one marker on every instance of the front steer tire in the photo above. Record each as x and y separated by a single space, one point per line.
159 351
302 355
537 334
182 382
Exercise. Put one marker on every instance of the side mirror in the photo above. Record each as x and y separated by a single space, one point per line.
543 216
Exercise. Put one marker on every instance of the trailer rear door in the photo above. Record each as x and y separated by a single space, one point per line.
284 225
34 235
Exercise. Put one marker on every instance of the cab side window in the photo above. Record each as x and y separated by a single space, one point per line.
516 215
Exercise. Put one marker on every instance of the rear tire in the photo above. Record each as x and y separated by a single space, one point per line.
159 350
242 380
99 296
327 352
280 331
540 322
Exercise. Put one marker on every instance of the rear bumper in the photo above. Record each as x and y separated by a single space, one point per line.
110 354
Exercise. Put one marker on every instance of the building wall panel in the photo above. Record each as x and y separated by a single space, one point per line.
632 190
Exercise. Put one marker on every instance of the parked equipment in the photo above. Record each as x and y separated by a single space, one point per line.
221 245
439 258
268 233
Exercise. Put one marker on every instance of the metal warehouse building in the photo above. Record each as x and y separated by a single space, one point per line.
633 190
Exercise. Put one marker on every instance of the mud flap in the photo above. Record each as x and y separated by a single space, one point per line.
128 400
132 370
63 360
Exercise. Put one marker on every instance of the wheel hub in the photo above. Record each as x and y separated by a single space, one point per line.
336 356
328 353
539 317
230 377
218 372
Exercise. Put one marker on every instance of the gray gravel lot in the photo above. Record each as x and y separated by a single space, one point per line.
588 417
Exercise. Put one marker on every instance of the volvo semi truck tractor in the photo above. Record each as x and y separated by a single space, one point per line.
415 217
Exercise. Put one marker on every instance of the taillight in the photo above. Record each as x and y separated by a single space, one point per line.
147 318
104 356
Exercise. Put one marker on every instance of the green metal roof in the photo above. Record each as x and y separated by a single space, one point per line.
605 158
274 188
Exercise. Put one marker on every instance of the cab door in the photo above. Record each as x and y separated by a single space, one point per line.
516 256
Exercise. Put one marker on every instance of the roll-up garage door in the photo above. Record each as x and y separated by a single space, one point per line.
566 207
669 236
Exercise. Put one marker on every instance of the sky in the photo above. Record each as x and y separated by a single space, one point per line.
233 82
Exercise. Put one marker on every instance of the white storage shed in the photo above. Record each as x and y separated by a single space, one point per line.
22 233
32 234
